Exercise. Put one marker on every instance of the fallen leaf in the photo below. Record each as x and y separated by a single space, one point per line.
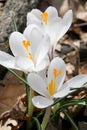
82 125
10 93
8 124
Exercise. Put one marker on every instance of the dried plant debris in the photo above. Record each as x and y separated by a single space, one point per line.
2 4
10 93
8 124
82 125
12 102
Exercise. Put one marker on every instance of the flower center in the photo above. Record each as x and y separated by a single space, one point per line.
44 17
52 84
26 44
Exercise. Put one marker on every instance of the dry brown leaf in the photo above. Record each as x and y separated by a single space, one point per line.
84 37
8 124
82 15
79 8
83 68
10 90
82 125
77 5
64 7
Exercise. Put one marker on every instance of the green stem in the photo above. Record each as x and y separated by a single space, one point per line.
27 98
30 105
46 118
14 23
30 94
71 120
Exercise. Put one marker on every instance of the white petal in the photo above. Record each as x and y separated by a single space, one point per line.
42 49
42 64
36 12
65 24
43 74
25 64
61 93
35 35
53 30
52 13
59 64
42 102
68 18
16 45
32 19
37 84
7 60
76 82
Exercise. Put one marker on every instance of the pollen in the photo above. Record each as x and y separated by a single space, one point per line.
26 44
44 16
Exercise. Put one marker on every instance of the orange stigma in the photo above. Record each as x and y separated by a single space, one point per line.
57 72
26 44
44 16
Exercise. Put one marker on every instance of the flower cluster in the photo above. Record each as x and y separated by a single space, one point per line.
33 54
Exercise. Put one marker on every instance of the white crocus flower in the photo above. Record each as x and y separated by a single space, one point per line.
50 22
29 49
53 86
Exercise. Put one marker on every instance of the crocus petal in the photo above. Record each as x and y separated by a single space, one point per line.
33 16
31 19
35 35
61 93
42 102
68 18
76 82
43 74
59 64
42 64
16 45
7 60
25 64
37 84
52 13
36 12
42 49
53 30
65 24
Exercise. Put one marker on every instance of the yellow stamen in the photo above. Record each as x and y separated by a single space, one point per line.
52 84
26 44
30 56
52 87
44 16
